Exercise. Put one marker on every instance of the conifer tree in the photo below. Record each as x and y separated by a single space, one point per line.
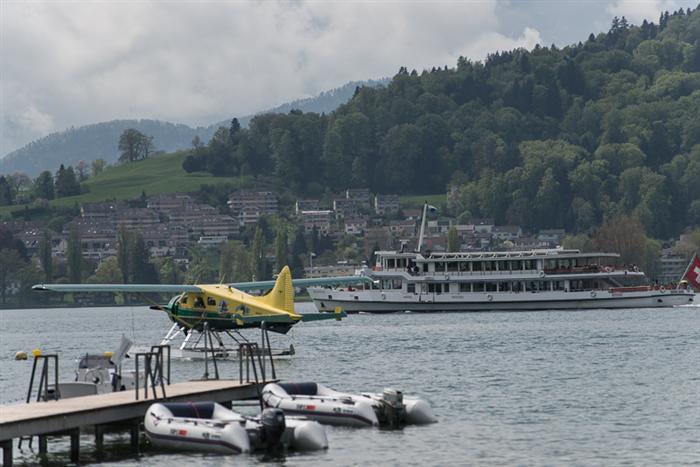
45 257
74 256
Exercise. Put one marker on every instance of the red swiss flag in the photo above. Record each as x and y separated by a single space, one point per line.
693 273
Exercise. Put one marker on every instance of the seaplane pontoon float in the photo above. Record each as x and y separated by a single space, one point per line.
210 427
325 405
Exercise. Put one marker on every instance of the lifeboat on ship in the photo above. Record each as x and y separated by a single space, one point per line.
210 427
317 402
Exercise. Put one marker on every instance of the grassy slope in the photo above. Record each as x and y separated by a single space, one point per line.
162 173
416 201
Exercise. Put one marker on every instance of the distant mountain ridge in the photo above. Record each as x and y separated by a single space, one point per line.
99 140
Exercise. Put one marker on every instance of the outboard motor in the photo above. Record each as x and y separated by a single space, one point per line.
273 426
392 412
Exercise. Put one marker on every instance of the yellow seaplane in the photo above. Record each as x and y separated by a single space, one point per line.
226 307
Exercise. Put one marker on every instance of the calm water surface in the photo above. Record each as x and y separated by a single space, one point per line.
601 387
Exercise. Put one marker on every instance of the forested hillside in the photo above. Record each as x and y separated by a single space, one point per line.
552 137
99 140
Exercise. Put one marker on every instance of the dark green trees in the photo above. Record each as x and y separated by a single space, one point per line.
74 256
66 183
134 146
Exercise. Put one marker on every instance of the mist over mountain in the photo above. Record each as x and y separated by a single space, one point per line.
100 140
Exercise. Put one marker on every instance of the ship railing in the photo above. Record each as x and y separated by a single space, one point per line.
521 272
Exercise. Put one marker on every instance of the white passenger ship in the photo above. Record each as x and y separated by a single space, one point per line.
481 281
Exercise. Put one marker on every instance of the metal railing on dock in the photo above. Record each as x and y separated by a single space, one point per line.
44 378
209 349
153 361
255 357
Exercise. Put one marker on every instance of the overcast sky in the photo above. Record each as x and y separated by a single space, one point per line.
73 63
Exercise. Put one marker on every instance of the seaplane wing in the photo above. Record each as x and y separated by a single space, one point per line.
130 288
226 306
321 281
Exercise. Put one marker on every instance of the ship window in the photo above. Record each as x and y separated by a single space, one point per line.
390 263
478 266
425 267
478 287
396 284
439 267
452 266
488 266
490 286
463 266
464 287
503 265
411 288
517 265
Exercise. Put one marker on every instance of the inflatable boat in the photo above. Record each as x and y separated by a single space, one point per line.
325 405
210 427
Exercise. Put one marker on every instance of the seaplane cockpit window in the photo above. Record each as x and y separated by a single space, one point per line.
183 299
211 301
198 302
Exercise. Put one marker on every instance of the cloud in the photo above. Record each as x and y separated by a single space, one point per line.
636 11
36 121
494 41
72 63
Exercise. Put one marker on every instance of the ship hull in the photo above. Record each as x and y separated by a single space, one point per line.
376 302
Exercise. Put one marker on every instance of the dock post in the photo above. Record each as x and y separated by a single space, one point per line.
75 445
43 448
7 453
135 435
99 437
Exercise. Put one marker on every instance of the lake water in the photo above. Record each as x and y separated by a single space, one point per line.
597 387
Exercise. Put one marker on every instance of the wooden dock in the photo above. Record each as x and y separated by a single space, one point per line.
68 416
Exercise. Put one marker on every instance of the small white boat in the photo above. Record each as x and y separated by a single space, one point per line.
325 405
210 427
98 374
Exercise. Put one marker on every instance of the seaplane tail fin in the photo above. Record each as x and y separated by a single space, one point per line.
282 294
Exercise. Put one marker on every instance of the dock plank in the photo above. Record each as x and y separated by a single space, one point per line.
55 416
